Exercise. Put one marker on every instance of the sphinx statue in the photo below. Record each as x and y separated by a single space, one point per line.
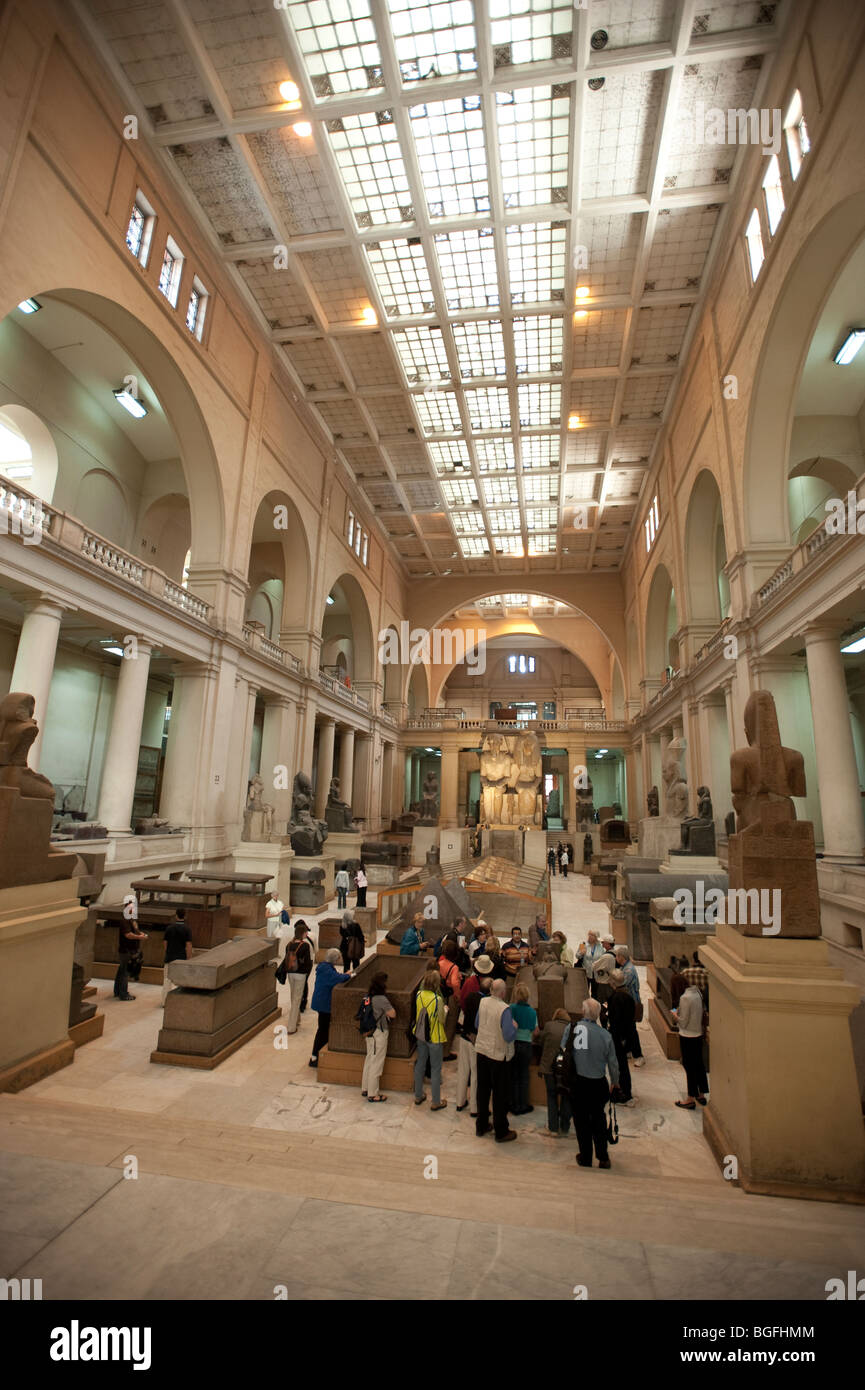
26 803
306 833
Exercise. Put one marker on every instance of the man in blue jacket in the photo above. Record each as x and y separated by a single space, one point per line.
326 977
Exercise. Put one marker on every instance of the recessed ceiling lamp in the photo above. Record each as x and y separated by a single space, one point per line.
581 314
130 403
582 292
849 348
330 599
109 645
369 315
290 92
574 422
30 306
303 129
857 646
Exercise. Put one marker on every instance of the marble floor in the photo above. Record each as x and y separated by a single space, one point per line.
257 1176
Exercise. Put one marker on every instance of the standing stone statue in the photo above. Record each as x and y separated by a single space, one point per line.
337 813
653 802
495 766
257 815
675 781
585 802
772 850
429 806
26 803
306 833
525 778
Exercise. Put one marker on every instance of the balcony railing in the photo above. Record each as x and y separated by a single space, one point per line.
342 692
801 557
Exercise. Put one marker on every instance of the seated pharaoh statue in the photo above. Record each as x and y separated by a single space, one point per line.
26 803
306 833
337 813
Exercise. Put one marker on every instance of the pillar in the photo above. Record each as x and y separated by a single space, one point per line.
34 660
837 775
324 772
186 751
449 786
277 758
237 770
363 773
346 765
387 783
120 768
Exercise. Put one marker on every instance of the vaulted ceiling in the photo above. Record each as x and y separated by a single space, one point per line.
478 236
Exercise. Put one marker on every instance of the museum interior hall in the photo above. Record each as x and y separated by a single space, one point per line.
432 649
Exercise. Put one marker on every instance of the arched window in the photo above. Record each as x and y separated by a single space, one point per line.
16 456
184 583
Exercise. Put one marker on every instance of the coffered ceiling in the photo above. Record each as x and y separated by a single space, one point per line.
496 219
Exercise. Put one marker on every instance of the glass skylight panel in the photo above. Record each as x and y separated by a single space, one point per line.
495 455
537 344
433 40
536 261
338 41
370 161
468 523
451 457
540 403
422 353
402 277
489 408
460 492
533 145
438 412
515 600
467 261
530 31
541 544
510 545
449 136
542 518
539 450
480 348
500 491
474 546
541 487
506 519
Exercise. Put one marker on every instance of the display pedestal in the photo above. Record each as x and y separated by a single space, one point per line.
658 835
342 845
535 849
691 864
423 838
38 923
455 845
274 858
783 1098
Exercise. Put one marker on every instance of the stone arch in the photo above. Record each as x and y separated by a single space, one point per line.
706 590
43 450
597 662
278 569
350 620
661 622
810 483
794 319
101 504
143 349
166 533
417 690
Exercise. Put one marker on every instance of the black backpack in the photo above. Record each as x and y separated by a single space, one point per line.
366 1019
564 1066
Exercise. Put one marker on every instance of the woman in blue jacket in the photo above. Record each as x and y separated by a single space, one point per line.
326 976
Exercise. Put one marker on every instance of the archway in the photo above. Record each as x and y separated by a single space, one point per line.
346 628
165 534
39 451
707 588
661 622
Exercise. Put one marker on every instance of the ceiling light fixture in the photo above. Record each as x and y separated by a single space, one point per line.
850 347
857 646
130 403
290 92
582 292
30 306
581 314
574 422
303 129
369 315
330 599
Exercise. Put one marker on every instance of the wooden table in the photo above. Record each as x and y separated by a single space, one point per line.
246 897
207 917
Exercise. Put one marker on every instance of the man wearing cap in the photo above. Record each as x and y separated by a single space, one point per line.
472 993
631 982
594 1058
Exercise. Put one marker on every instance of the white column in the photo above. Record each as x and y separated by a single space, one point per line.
346 765
34 661
277 758
117 789
387 783
185 750
449 786
362 775
837 776
324 771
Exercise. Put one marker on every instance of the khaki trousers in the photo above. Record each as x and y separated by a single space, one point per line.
467 1075
376 1051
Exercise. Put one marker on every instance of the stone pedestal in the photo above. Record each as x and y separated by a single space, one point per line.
658 835
224 997
38 923
784 1098
313 861
780 859
423 838
343 845
455 845
274 859
683 863
535 849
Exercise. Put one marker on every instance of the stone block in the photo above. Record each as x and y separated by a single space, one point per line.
208 1010
208 1044
223 964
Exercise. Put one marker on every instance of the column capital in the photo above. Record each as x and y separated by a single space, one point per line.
47 605
324 720
822 632
277 701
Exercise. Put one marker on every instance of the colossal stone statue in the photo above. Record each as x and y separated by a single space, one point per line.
306 833
525 778
675 782
429 806
337 813
495 767
26 803
257 815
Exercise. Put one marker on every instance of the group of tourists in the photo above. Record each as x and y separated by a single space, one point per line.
560 858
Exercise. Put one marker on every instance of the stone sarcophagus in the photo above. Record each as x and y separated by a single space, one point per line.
223 997
635 889
404 974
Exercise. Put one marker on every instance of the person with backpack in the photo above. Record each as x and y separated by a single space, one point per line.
494 1048
430 1035
341 884
591 1055
327 977
361 883
452 983
294 970
470 997
373 1020
526 1019
352 943
558 1100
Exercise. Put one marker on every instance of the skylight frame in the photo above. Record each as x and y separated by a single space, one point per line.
398 267
480 348
342 57
422 353
433 40
370 161
532 127
451 154
467 265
